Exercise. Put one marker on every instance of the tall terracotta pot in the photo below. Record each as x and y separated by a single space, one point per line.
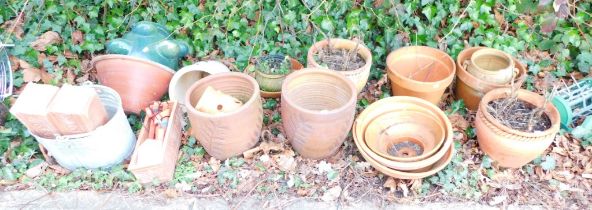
318 108
470 88
138 81
359 76
226 135
420 71
513 148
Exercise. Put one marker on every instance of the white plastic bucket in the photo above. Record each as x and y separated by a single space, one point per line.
104 147
188 75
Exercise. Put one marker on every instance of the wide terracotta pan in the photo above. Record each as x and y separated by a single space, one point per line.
420 71
138 81
400 103
509 147
226 135
359 76
470 88
318 108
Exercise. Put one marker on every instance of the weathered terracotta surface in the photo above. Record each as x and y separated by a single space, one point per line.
420 71
395 104
31 109
471 89
318 108
138 81
77 110
274 81
405 136
226 135
491 65
358 76
164 170
509 147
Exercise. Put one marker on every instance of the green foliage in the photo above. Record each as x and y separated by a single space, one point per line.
457 106
270 103
101 179
275 66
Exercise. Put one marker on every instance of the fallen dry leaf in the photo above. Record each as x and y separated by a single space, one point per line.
458 121
31 75
70 76
15 26
48 38
36 170
171 193
77 37
390 184
332 194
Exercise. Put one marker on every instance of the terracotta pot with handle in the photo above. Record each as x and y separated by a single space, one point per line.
138 81
470 88
359 76
225 135
510 147
420 71
318 108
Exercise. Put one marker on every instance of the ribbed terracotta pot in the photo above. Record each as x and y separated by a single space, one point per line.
138 81
401 104
420 71
273 83
470 88
318 108
359 76
225 135
509 147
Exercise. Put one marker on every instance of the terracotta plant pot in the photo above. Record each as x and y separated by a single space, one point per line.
492 65
509 147
359 76
138 81
225 135
317 108
470 88
405 136
402 104
188 75
271 84
419 71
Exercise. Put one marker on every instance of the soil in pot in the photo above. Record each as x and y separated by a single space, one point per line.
340 59
271 72
518 114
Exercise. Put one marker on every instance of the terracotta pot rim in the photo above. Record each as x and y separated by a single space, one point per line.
105 57
550 111
448 140
448 79
471 80
494 52
255 96
312 71
320 44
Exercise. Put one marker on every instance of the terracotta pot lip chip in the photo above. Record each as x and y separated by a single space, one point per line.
350 84
128 57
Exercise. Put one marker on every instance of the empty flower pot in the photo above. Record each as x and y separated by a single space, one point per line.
225 135
491 65
188 75
317 108
405 135
420 71
510 147
401 104
271 84
470 88
358 76
138 81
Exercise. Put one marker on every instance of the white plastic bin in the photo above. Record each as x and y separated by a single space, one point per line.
104 147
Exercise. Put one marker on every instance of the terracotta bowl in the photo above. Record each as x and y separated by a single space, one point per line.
405 136
317 108
225 135
139 81
401 103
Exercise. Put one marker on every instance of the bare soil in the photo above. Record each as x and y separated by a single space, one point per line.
518 114
340 59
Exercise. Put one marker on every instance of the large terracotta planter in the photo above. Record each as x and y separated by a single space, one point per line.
359 76
470 88
420 71
509 147
402 104
318 108
188 75
271 84
138 81
226 135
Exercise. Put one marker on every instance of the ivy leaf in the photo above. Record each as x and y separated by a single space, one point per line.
549 23
584 62
549 163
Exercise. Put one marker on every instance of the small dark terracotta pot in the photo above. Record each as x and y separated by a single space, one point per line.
226 135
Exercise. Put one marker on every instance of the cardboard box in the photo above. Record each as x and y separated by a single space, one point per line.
31 109
77 110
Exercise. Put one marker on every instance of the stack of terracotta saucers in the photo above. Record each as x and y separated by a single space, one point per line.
404 137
